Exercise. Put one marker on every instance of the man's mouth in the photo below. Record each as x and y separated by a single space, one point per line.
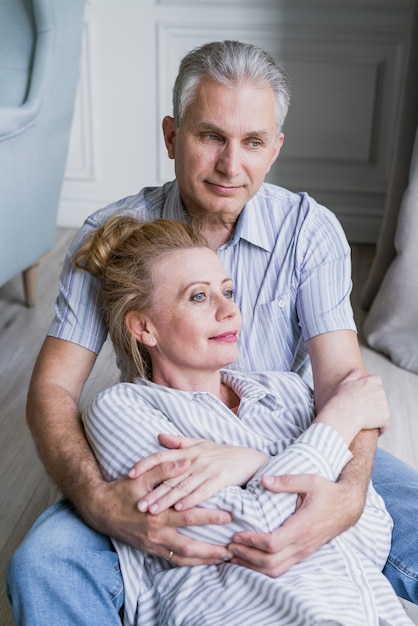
223 188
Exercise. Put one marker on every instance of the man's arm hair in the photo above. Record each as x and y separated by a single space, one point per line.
333 355
53 416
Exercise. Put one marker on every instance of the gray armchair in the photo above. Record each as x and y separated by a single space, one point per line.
40 43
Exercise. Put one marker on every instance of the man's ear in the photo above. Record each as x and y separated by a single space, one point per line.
140 327
169 132
276 150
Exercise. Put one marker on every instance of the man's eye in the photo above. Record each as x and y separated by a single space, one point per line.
198 297
212 137
254 143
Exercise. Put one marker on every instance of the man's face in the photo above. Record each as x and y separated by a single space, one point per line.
224 147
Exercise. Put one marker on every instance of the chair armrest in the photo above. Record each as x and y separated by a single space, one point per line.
15 120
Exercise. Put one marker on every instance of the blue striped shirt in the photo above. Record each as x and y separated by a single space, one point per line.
289 260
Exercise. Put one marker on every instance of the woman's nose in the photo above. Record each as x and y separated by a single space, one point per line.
226 308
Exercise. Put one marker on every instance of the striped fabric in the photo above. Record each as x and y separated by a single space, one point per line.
341 584
289 260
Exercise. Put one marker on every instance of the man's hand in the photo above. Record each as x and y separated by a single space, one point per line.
358 403
116 514
324 510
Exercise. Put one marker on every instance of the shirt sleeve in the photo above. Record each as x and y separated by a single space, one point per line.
78 312
122 428
318 450
78 316
324 275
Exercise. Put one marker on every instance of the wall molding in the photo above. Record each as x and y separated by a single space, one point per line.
300 4
81 157
368 60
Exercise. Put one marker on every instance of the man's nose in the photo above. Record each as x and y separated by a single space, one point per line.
229 159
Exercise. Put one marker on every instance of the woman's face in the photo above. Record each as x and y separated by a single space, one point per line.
194 321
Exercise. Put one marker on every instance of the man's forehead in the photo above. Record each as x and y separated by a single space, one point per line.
216 104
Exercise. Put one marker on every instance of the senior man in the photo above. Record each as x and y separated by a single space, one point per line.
290 262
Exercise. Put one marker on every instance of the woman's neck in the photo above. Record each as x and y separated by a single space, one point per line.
230 398
198 381
189 381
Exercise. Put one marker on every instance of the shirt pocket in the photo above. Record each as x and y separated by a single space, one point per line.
278 309
277 331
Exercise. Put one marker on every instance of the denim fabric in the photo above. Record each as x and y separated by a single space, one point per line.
65 573
397 483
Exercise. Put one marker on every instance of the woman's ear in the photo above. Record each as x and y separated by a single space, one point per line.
140 327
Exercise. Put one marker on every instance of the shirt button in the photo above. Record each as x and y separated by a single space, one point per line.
282 304
357 572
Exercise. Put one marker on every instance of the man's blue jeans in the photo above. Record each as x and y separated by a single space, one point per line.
65 573
397 483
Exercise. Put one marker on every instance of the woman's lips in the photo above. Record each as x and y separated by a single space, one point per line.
228 337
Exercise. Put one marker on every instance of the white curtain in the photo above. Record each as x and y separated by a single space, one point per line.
391 291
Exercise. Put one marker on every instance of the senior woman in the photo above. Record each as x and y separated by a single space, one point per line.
172 317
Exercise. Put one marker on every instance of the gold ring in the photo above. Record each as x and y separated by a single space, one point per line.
170 555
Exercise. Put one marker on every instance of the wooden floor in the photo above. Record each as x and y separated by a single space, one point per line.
25 491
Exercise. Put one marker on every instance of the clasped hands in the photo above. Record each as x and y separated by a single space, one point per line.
196 469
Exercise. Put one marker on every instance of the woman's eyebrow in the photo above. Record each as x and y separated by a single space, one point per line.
204 282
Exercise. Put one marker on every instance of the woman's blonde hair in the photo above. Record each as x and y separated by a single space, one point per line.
122 255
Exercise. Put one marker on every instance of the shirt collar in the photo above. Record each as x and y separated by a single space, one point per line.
174 208
249 225
246 387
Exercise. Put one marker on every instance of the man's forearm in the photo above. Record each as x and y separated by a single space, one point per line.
54 420
58 378
357 472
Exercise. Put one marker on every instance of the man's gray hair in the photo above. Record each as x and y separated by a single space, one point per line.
230 63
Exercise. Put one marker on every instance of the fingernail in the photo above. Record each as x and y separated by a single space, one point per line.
269 480
153 508
143 506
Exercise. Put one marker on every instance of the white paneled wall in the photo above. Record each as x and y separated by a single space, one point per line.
345 61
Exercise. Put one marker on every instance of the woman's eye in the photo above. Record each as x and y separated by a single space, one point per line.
229 293
199 297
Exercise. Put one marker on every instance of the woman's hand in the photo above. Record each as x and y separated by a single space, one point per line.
209 468
359 403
